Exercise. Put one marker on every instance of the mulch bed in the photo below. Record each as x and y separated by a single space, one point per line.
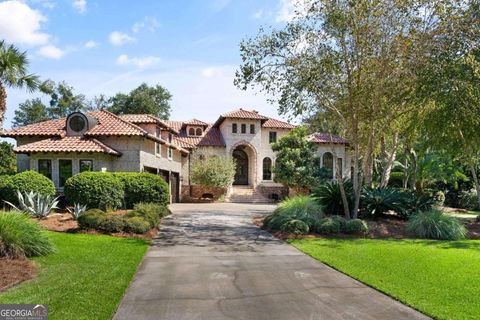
64 222
386 227
15 271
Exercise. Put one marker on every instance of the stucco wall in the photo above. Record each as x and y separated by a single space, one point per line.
130 148
341 152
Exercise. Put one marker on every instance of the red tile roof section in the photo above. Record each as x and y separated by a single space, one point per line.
195 122
277 124
244 114
138 118
319 137
175 125
110 124
67 144
48 128
212 137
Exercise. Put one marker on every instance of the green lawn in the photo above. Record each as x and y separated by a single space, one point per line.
84 279
439 278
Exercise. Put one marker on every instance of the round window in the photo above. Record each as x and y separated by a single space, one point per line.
77 123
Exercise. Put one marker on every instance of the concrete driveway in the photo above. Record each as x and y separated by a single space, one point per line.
210 262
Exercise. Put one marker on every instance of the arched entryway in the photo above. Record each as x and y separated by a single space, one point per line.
241 173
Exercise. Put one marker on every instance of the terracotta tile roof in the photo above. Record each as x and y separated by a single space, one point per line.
48 128
175 125
183 144
110 124
277 124
319 137
67 144
212 137
195 122
244 114
138 118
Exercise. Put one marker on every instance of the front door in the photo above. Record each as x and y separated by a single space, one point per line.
241 174
174 184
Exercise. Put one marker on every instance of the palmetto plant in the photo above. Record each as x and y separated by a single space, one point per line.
77 210
35 204
13 73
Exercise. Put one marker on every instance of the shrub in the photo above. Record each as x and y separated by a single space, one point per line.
95 190
295 226
416 202
21 236
468 199
328 195
377 201
25 182
91 219
160 210
439 198
4 182
112 223
356 226
144 187
333 224
302 208
434 224
214 172
136 225
147 214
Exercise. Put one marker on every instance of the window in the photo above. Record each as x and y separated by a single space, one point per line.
339 172
267 169
45 168
191 131
252 129
244 128
198 132
158 146
170 138
77 123
327 161
170 153
64 171
272 137
234 128
86 165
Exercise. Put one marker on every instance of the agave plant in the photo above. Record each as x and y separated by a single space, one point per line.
77 210
35 204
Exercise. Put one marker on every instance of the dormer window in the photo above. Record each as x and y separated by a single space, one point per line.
78 123
195 131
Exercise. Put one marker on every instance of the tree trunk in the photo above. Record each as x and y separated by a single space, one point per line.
389 163
3 105
476 182
413 180
346 209
405 170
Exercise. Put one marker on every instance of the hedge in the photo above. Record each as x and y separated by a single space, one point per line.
25 181
96 190
143 187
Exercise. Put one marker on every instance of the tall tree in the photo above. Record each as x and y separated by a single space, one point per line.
63 99
144 99
345 59
13 73
30 111
8 160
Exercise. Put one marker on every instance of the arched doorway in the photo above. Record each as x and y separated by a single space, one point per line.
241 173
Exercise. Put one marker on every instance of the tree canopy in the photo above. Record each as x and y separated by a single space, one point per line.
8 160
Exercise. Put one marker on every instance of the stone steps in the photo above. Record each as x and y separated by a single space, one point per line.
246 194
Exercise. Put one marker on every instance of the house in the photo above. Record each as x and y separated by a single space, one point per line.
103 141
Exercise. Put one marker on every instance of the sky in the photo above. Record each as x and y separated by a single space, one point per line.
109 46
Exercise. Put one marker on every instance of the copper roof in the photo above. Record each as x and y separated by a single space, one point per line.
319 137
67 144
277 124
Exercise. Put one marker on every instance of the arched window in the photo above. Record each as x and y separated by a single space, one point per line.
191 131
327 162
339 172
199 131
267 169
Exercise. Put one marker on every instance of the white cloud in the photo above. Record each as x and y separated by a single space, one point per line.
91 44
286 12
258 14
210 72
21 24
139 62
49 4
148 23
51 51
118 38
80 5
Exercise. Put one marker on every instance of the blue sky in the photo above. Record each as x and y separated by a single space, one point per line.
189 47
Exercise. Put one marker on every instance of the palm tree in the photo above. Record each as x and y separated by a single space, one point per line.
13 73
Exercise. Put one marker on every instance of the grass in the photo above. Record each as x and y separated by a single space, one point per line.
86 277
439 278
